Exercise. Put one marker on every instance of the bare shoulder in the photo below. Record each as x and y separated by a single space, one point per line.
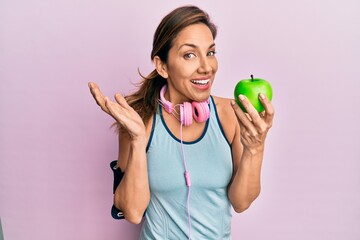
227 117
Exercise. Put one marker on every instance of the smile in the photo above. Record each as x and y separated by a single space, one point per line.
201 82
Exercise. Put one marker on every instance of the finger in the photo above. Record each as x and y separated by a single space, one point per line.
248 116
122 101
254 115
246 136
242 117
114 110
98 96
92 87
262 114
122 116
269 109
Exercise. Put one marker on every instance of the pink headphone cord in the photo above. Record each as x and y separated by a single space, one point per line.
187 180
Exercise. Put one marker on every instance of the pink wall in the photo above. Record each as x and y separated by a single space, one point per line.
55 144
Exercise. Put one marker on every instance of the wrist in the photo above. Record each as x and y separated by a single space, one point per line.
139 142
254 150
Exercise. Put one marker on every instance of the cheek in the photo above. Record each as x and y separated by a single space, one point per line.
184 69
214 65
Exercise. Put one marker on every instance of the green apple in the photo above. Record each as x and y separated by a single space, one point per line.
251 88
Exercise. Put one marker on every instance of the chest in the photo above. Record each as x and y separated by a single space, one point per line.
208 161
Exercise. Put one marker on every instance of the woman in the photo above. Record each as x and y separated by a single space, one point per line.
187 156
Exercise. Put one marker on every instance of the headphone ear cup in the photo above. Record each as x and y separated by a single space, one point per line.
200 111
186 114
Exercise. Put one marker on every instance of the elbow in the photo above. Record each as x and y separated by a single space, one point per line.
131 214
133 218
241 207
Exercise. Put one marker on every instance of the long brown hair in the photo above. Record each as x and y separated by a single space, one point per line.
144 100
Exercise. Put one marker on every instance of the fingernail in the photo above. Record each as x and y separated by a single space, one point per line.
262 96
232 102
242 97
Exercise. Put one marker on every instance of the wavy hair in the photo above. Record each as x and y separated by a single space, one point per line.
144 100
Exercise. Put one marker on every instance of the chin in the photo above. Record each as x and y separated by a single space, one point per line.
204 96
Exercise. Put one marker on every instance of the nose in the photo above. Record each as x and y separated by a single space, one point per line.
204 65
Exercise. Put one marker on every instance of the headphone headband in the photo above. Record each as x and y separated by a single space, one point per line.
168 106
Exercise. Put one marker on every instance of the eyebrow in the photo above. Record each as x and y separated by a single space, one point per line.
193 45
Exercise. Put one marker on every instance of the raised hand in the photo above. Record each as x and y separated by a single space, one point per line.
254 126
120 110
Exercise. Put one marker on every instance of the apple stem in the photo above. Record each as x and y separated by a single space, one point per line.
252 77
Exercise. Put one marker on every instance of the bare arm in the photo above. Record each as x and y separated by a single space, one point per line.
132 195
245 184
248 152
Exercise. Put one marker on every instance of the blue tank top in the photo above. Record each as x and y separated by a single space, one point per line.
209 162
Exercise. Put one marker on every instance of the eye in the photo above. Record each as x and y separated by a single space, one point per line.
211 53
189 55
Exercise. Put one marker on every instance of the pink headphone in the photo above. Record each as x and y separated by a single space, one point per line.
198 110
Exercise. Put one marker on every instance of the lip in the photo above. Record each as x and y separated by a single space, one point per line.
202 78
202 87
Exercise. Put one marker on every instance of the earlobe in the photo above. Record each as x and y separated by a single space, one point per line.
160 67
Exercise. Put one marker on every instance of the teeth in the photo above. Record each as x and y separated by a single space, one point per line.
201 82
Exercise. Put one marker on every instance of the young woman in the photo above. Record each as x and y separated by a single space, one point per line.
187 156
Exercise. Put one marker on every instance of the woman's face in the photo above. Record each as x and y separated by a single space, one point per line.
191 65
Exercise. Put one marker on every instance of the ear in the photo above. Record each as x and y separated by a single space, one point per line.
160 67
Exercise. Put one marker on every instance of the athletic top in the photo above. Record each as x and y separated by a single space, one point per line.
209 162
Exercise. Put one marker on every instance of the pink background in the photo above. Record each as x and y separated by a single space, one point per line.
55 143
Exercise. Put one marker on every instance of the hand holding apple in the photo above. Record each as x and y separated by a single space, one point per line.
251 88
